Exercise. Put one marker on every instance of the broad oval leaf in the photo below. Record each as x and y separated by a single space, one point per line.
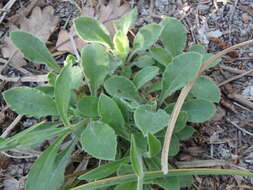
143 61
90 30
154 145
183 68
149 121
99 140
33 49
207 56
110 113
126 21
145 75
174 146
198 48
161 55
88 106
135 158
186 133
146 37
181 121
103 170
199 110
122 87
205 88
62 92
173 36
30 102
96 65
121 45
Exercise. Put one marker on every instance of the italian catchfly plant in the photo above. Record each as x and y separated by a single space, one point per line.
128 102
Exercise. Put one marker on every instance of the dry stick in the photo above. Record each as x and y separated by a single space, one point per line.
34 78
11 126
236 77
183 94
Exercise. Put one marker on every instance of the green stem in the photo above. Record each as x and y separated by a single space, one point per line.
159 174
140 183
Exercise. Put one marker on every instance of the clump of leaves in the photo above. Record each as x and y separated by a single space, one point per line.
122 118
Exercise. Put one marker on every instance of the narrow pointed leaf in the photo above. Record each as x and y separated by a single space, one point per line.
146 37
154 145
99 140
62 92
33 49
121 45
145 75
206 89
128 186
126 21
104 170
96 65
30 102
39 176
88 106
122 87
173 36
183 68
90 30
110 113
135 158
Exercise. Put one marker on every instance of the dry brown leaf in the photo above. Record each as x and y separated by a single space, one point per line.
106 14
41 23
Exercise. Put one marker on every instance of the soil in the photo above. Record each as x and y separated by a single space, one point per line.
217 24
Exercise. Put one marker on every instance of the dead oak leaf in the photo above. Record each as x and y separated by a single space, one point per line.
41 23
106 14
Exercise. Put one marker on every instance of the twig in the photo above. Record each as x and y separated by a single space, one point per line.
201 163
238 127
234 70
241 99
35 78
18 157
183 94
7 6
235 77
11 126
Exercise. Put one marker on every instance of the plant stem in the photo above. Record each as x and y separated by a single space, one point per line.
140 183
183 94
159 174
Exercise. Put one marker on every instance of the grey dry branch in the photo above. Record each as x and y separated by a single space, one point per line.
183 94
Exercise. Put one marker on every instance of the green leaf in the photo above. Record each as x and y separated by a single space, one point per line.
146 37
128 186
207 56
145 75
149 121
183 68
181 121
48 90
126 21
62 93
88 106
199 110
198 49
135 158
143 61
186 181
90 30
99 140
174 146
110 113
96 65
121 45
51 78
104 170
169 183
161 55
42 170
122 87
30 102
156 86
33 49
186 133
204 88
154 145
173 36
